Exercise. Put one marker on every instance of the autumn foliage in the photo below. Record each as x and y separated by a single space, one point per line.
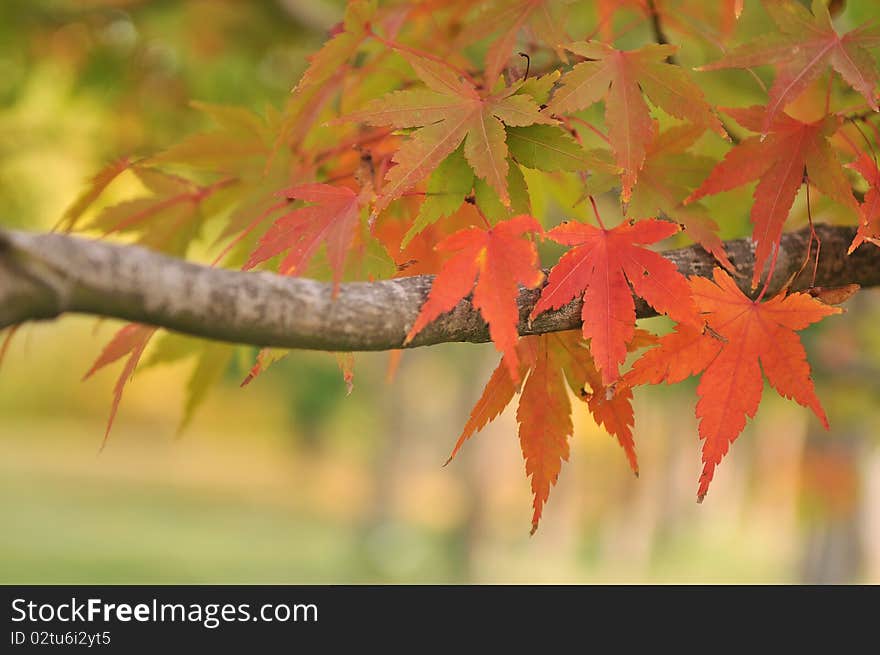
464 139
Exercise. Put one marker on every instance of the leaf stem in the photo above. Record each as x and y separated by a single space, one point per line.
813 236
866 140
596 212
482 215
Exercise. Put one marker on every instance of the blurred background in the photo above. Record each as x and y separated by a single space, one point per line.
292 480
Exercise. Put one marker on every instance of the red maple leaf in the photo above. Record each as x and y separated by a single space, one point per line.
130 340
778 161
746 336
620 78
333 220
548 363
497 258
601 267
802 50
869 210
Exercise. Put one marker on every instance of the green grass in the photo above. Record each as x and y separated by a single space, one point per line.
79 531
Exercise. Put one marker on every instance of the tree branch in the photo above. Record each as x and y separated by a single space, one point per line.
45 275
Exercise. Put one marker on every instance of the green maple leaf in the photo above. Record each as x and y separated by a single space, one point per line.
450 111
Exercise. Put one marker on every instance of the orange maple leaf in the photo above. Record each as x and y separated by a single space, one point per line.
778 161
497 258
450 111
746 336
620 78
332 220
599 267
802 50
544 417
611 407
418 256
547 363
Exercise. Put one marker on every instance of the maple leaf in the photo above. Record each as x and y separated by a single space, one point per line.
453 181
733 8
668 177
606 9
711 21
544 417
211 363
490 205
598 268
778 161
243 139
497 258
620 77
746 336
333 220
211 360
869 210
450 111
168 221
447 188
418 256
510 18
549 148
345 361
96 186
548 363
540 87
611 407
265 358
802 50
346 40
130 340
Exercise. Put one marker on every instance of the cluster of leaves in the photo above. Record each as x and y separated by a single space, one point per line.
419 141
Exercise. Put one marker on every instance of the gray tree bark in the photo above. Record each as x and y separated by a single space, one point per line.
43 276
